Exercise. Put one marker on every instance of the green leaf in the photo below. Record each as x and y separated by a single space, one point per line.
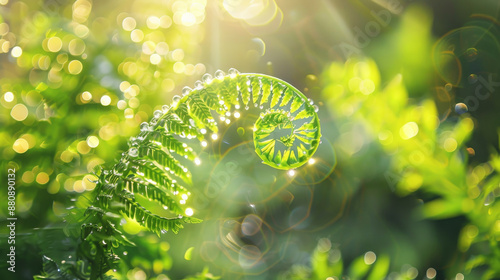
201 113
297 102
380 268
266 90
358 268
256 89
277 92
243 89
288 95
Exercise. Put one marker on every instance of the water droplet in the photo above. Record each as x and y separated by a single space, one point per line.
144 126
233 72
219 74
207 78
133 152
215 136
471 54
246 107
165 108
291 172
461 108
316 108
157 114
186 91
133 141
198 85
176 98
472 78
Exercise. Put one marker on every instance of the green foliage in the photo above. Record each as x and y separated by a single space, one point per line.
204 275
327 263
150 169
429 157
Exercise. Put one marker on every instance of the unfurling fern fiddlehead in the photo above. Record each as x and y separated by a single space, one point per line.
286 135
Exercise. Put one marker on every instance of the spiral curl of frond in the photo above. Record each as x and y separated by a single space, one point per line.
286 135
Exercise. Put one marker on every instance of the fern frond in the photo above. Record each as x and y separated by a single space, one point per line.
153 167
286 135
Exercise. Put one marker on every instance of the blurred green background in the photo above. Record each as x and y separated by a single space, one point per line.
403 186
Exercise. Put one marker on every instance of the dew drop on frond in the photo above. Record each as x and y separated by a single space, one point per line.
157 114
219 74
144 126
133 152
186 91
233 72
207 78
